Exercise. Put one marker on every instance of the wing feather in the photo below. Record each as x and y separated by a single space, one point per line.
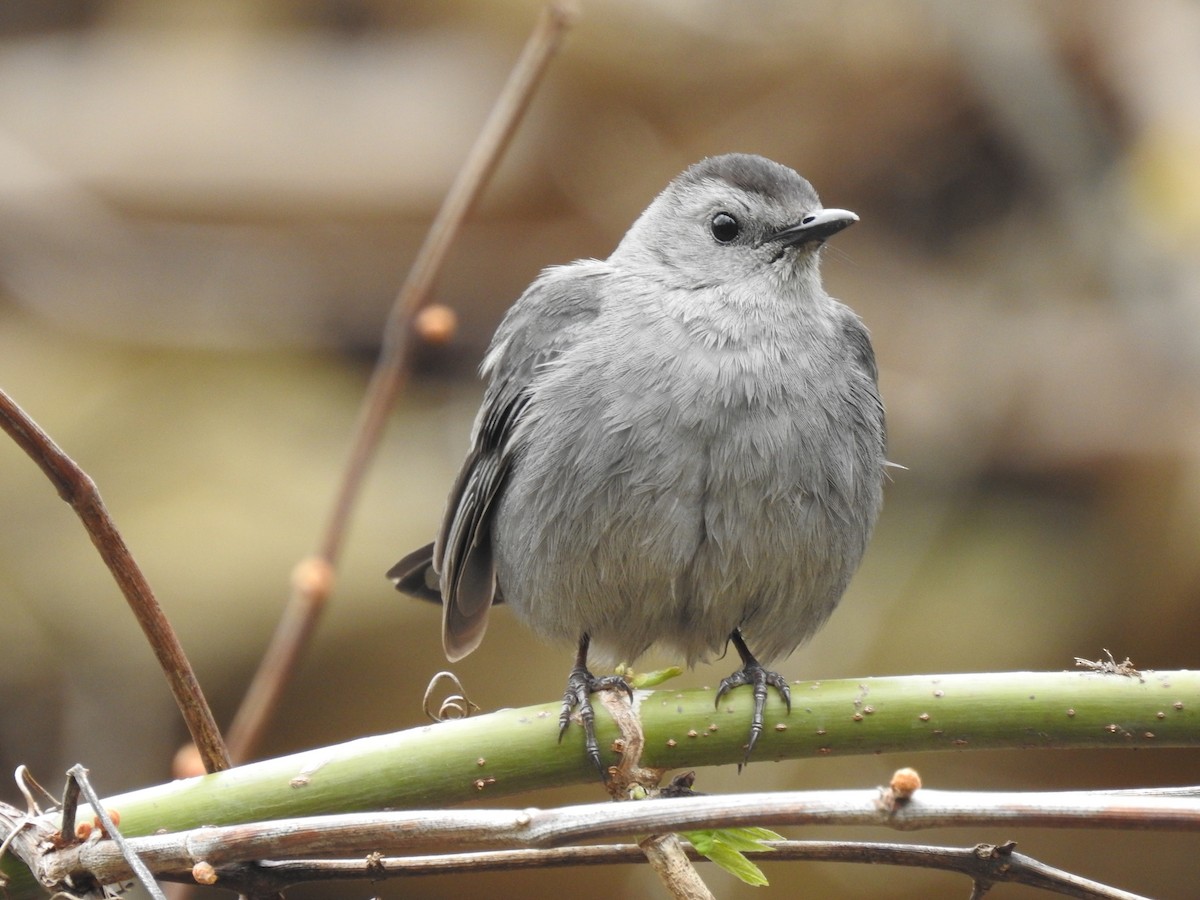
539 327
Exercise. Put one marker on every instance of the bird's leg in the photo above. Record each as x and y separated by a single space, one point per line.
580 685
753 673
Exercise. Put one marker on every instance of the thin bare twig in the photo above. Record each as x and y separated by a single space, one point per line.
27 784
79 775
78 490
309 594
674 868
985 864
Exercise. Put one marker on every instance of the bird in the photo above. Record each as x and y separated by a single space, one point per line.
682 445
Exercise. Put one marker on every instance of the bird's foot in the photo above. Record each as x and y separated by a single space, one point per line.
681 786
753 673
581 684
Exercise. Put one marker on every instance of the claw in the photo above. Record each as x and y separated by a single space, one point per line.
581 684
753 673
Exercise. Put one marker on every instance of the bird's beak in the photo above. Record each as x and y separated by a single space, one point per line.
816 227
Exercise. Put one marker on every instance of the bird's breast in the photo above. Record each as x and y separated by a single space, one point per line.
681 489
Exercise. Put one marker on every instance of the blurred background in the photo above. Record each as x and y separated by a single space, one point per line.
206 209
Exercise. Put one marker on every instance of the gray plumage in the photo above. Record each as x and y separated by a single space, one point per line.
677 444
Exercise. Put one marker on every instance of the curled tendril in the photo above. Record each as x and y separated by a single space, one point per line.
455 705
27 784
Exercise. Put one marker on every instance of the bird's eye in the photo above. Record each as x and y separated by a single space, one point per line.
724 227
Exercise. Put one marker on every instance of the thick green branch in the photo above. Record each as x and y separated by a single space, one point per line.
511 751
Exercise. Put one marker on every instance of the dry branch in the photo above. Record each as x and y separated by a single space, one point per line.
386 835
78 490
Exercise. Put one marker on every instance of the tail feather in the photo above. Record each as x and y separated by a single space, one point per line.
414 575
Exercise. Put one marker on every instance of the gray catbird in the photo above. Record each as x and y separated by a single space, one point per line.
682 444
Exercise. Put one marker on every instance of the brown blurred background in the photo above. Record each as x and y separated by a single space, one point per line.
206 209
